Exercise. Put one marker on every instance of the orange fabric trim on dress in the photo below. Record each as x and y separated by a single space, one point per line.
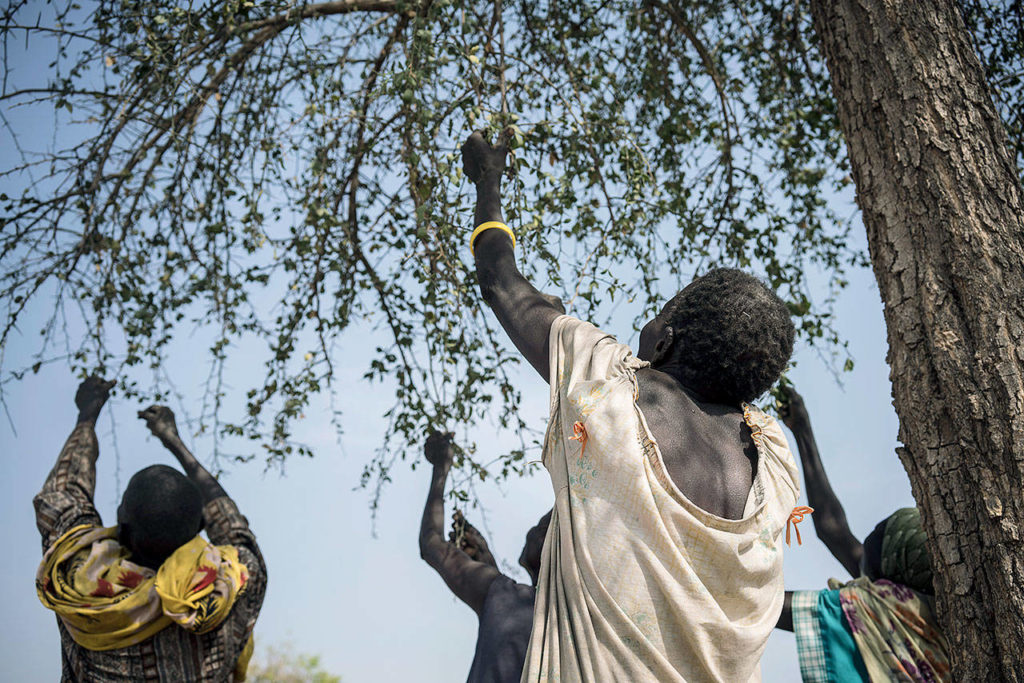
579 434
795 517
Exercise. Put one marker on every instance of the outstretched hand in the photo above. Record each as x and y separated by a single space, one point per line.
438 448
481 160
91 396
791 408
469 540
160 421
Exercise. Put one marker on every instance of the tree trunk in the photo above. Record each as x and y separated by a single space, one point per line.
942 206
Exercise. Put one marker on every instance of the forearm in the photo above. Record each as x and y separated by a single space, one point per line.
501 283
432 524
209 488
488 200
522 310
493 251
66 497
820 495
829 517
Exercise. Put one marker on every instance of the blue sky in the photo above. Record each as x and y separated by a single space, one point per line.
367 603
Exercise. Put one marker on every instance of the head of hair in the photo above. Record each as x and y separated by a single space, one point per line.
160 511
732 336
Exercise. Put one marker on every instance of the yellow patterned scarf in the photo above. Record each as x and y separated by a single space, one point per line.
107 602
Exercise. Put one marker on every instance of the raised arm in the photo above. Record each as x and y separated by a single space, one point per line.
469 579
66 498
160 421
829 517
524 312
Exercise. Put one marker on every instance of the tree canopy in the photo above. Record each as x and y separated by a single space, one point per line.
289 174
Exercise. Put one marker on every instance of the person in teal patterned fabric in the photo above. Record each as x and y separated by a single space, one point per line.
881 626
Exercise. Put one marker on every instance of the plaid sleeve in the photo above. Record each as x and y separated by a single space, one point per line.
809 646
225 525
66 498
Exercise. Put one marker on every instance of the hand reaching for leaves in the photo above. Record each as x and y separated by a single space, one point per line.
792 410
91 396
160 421
481 160
438 448
469 540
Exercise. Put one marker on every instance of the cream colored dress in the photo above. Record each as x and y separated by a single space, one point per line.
636 582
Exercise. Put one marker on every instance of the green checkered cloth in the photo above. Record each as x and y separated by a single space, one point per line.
809 646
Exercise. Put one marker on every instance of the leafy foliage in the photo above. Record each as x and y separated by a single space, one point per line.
282 664
998 31
289 174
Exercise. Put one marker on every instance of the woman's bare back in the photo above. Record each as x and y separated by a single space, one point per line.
707 448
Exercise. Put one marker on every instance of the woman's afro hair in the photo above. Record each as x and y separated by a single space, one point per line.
732 336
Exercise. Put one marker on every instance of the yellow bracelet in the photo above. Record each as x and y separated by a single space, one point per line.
488 226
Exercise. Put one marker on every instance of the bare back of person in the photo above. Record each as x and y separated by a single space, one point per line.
707 448
721 341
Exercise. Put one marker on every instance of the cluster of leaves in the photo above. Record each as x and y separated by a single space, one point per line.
280 172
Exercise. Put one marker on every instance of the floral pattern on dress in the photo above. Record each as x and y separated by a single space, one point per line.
582 469
896 631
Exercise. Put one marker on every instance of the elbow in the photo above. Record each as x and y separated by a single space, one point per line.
433 550
827 525
488 295
496 274
426 547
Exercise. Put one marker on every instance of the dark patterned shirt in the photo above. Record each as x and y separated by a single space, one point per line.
173 654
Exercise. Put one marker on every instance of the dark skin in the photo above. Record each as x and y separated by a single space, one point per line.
829 517
160 421
467 567
469 540
90 398
706 447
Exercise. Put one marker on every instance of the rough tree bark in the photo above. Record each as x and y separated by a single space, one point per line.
942 206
